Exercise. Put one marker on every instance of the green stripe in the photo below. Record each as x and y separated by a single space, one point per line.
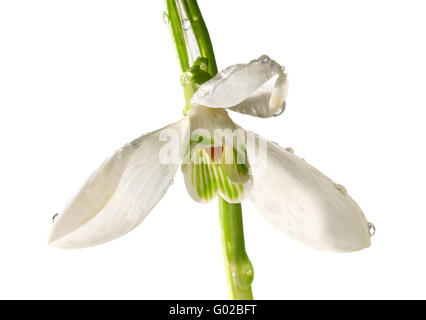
197 179
209 178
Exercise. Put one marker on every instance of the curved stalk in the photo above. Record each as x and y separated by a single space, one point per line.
238 267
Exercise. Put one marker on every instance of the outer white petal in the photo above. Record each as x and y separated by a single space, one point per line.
119 194
306 205
258 88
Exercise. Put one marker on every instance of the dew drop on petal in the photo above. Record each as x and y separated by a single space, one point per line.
54 217
264 58
371 229
136 143
186 24
341 189
171 182
118 153
289 149
280 110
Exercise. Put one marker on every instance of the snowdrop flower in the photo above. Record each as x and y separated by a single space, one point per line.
295 197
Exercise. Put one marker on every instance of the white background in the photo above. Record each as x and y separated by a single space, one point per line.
80 78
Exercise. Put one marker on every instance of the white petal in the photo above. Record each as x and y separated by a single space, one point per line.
306 205
258 88
118 195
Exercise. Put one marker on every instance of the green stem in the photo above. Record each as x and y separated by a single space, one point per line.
177 33
201 33
239 269
197 26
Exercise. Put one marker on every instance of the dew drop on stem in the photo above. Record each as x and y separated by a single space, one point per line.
186 24
166 18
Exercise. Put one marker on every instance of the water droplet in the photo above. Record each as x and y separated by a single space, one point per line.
264 58
136 143
280 110
185 78
242 273
54 217
371 229
171 182
186 24
186 111
119 152
203 66
289 149
166 18
341 189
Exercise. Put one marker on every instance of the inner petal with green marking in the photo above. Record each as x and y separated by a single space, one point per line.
216 160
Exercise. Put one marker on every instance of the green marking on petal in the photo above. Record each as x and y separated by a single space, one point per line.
219 177
207 176
228 191
212 170
203 182
198 182
240 187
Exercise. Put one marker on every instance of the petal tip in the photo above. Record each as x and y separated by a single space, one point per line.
55 240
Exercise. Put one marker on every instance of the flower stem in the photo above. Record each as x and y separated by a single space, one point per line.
177 32
178 13
187 23
201 33
238 268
